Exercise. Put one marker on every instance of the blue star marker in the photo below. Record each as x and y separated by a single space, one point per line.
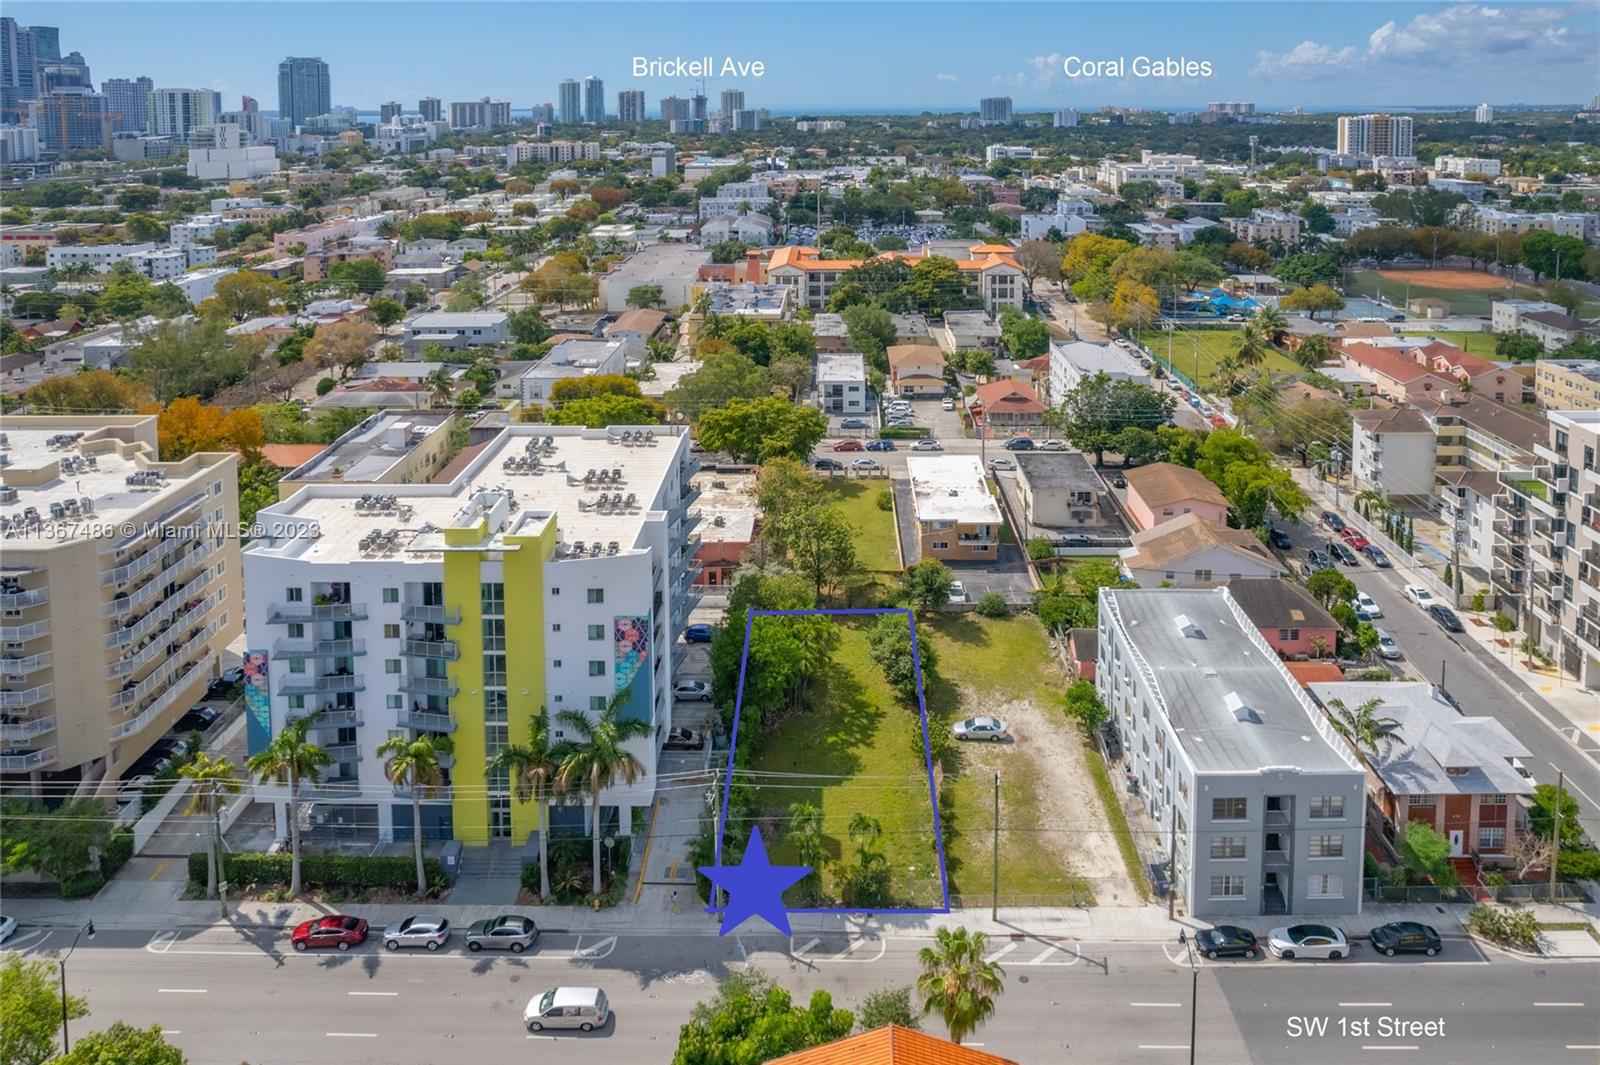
755 887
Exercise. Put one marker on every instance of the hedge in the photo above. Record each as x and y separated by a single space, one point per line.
116 852
82 885
572 872
1578 865
349 872
904 432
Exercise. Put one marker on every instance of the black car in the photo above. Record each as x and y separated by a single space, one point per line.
197 720
1319 559
1406 937
1279 539
1226 941
1116 479
1332 521
1446 618
1376 555
828 464
1344 554
1021 443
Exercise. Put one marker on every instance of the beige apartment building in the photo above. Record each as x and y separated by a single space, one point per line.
957 518
1567 384
120 585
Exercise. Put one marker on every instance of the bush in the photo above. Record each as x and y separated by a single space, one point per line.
886 500
82 885
903 432
1578 865
326 385
1480 601
993 605
1040 549
1512 928
572 872
115 854
330 872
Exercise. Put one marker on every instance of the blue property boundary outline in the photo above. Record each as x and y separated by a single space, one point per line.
927 752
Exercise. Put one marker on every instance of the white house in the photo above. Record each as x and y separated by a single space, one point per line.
457 329
1191 550
1392 452
1072 361
842 383
573 358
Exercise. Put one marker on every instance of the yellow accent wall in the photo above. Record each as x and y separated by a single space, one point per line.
469 810
525 629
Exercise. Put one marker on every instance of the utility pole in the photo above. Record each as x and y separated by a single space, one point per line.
1338 472
1172 866
216 828
1442 664
1555 833
994 903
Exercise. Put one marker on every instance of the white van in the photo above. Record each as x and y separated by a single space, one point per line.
583 1008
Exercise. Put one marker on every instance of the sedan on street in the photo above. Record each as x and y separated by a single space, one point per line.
1226 940
1319 558
1344 554
1446 618
1406 937
1376 556
1365 607
853 423
948 404
510 931
1021 443
1419 595
419 931
1052 445
334 930
828 464
927 445
849 445
1308 941
880 445
980 728
866 464
1387 648
1002 463
1332 521
692 690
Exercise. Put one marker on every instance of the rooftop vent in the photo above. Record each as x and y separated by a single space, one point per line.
1241 712
1187 626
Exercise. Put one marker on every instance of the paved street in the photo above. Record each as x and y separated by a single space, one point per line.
228 995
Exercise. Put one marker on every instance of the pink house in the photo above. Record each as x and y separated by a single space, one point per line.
1289 618
1160 492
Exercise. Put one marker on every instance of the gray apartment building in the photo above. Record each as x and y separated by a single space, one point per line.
1234 763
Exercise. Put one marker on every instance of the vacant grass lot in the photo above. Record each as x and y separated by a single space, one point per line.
1480 344
1207 347
876 547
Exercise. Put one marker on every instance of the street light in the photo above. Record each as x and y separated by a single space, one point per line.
1194 989
87 929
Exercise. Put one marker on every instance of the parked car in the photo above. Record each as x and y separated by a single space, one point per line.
927 445
958 592
1308 941
1319 558
1021 443
854 423
698 633
849 445
8 925
1076 540
948 404
880 445
1052 445
1446 618
1002 463
1343 553
1332 521
692 690
1406 937
1365 607
1116 479
232 676
196 720
333 930
907 422
980 728
683 739
132 789
418 931
866 464
1225 941
828 464
1279 538
1387 648
509 931
1419 595
583 1008
1376 556
1354 540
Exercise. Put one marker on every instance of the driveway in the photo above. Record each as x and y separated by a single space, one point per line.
905 519
1007 576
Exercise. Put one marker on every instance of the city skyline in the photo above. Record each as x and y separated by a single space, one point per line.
1317 56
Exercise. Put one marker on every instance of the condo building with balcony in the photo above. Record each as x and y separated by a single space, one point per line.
119 586
554 572
1258 801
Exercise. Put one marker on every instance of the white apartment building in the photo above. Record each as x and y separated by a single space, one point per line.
1462 165
554 573
995 152
1265 225
176 112
1152 166
121 585
457 329
99 257
1069 218
1392 452
1073 361
551 152
732 206
233 164
842 383
1232 759
1066 118
572 358
1506 315
1483 115
1375 135
1494 221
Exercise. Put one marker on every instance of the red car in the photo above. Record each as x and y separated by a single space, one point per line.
849 445
1354 539
331 931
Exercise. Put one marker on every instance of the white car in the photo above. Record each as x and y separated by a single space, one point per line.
980 728
1308 941
867 464
1364 606
1119 342
927 445
1052 445
1002 463
132 789
958 592
691 690
1420 596
8 925
948 404
1387 648
417 931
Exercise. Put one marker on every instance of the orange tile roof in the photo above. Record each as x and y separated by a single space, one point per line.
1384 361
801 257
1009 395
891 1045
290 456
1309 673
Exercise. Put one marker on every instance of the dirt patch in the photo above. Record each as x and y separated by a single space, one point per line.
1073 824
1467 280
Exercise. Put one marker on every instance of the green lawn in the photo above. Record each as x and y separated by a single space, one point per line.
1480 344
1204 348
876 548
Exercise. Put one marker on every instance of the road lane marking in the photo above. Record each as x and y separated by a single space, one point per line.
376 994
351 1035
1002 952
1163 1046
1348 1005
180 990
1391 1046
1039 959
607 945
857 944
797 951
1158 1005
1583 1046
1575 1005
159 870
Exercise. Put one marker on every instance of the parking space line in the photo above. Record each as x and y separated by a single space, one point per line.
180 990
159 870
1157 1005
1391 1046
375 994
797 951
1002 952
1163 1046
351 1035
1349 1005
1574 1005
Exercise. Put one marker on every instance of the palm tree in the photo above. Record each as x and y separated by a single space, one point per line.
957 983
1269 325
1362 727
213 776
290 758
415 765
532 769
597 758
805 833
1314 351
1370 501
1252 351
441 384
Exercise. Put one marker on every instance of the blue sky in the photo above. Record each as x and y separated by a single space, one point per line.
856 55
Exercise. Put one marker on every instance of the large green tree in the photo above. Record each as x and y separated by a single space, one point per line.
752 1020
59 841
926 585
722 378
889 641
755 430
956 981
30 1010
1098 408
123 1044
820 543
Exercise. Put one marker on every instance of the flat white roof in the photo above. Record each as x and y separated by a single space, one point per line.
456 319
841 367
951 488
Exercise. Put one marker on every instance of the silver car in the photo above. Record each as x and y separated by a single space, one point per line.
980 728
418 931
507 932
583 1008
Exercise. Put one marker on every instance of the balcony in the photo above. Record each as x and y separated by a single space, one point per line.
174 608
15 666
689 467
1512 530
132 693
163 704
437 615
162 529
328 718
18 729
318 648
343 752
150 559
132 662
19 600
328 683
446 649
442 793
24 633
425 721
429 686
24 699
1510 580
1588 634
331 791
688 492
153 589
301 613
23 763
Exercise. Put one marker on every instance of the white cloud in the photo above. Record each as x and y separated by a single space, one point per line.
1308 59
947 77
1043 72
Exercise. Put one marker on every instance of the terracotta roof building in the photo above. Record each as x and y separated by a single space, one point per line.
1163 491
891 1045
1008 404
1191 550
991 273
290 456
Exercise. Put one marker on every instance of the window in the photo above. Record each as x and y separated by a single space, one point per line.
391 632
294 595
1491 800
1171 575
1325 886
556 627
494 634
597 667
1229 809
1421 800
1327 806
939 545
1227 847
1227 887
1326 847
296 631
597 595
555 591
1202 575
597 703
597 632
1289 635
394 702
1166 512
297 665
494 671
492 594
1491 839
297 702
391 595
391 665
